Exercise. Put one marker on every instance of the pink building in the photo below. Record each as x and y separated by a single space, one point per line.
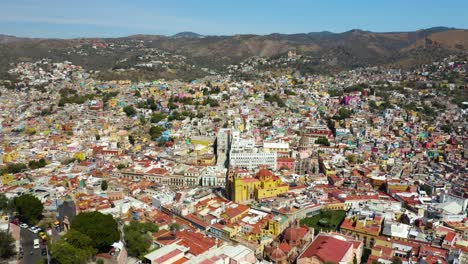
285 163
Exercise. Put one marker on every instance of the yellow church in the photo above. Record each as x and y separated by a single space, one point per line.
242 187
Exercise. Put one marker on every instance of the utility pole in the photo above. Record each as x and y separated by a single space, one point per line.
48 256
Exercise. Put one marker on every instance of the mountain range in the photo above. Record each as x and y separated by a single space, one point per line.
336 51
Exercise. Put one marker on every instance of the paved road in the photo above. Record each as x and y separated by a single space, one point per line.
27 240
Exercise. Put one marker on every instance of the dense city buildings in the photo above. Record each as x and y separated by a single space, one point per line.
367 165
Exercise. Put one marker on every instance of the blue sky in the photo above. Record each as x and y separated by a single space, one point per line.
113 18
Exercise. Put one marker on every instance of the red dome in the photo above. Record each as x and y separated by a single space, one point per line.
294 234
277 255
264 173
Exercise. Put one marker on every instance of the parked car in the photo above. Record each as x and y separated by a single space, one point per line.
36 243
44 252
42 235
35 229
23 225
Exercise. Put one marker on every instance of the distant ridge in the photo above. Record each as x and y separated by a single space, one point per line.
328 51
187 34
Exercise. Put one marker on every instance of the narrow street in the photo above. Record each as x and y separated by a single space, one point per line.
27 240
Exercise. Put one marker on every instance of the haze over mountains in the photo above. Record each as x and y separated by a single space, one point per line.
333 51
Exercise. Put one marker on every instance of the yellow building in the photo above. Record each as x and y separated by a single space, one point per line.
10 156
334 206
7 179
207 160
263 185
366 229
112 103
277 225
79 156
327 167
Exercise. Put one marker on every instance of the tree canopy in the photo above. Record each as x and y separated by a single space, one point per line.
7 245
104 185
322 141
129 110
6 204
156 131
13 168
274 98
396 260
131 140
101 228
157 117
33 164
29 208
64 252
73 247
138 237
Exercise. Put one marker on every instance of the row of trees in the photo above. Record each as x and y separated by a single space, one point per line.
13 168
90 233
19 167
75 99
33 164
94 232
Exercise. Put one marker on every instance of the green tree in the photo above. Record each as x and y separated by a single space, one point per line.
121 166
101 228
29 208
104 185
138 237
351 158
129 110
13 168
156 131
6 205
175 226
7 245
446 128
342 113
80 241
322 141
33 164
63 252
157 117
142 119
131 139
396 260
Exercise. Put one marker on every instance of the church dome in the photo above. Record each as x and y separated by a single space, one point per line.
277 255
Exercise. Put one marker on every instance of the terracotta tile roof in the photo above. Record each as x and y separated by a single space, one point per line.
196 242
284 247
450 237
327 248
167 256
233 212
180 261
